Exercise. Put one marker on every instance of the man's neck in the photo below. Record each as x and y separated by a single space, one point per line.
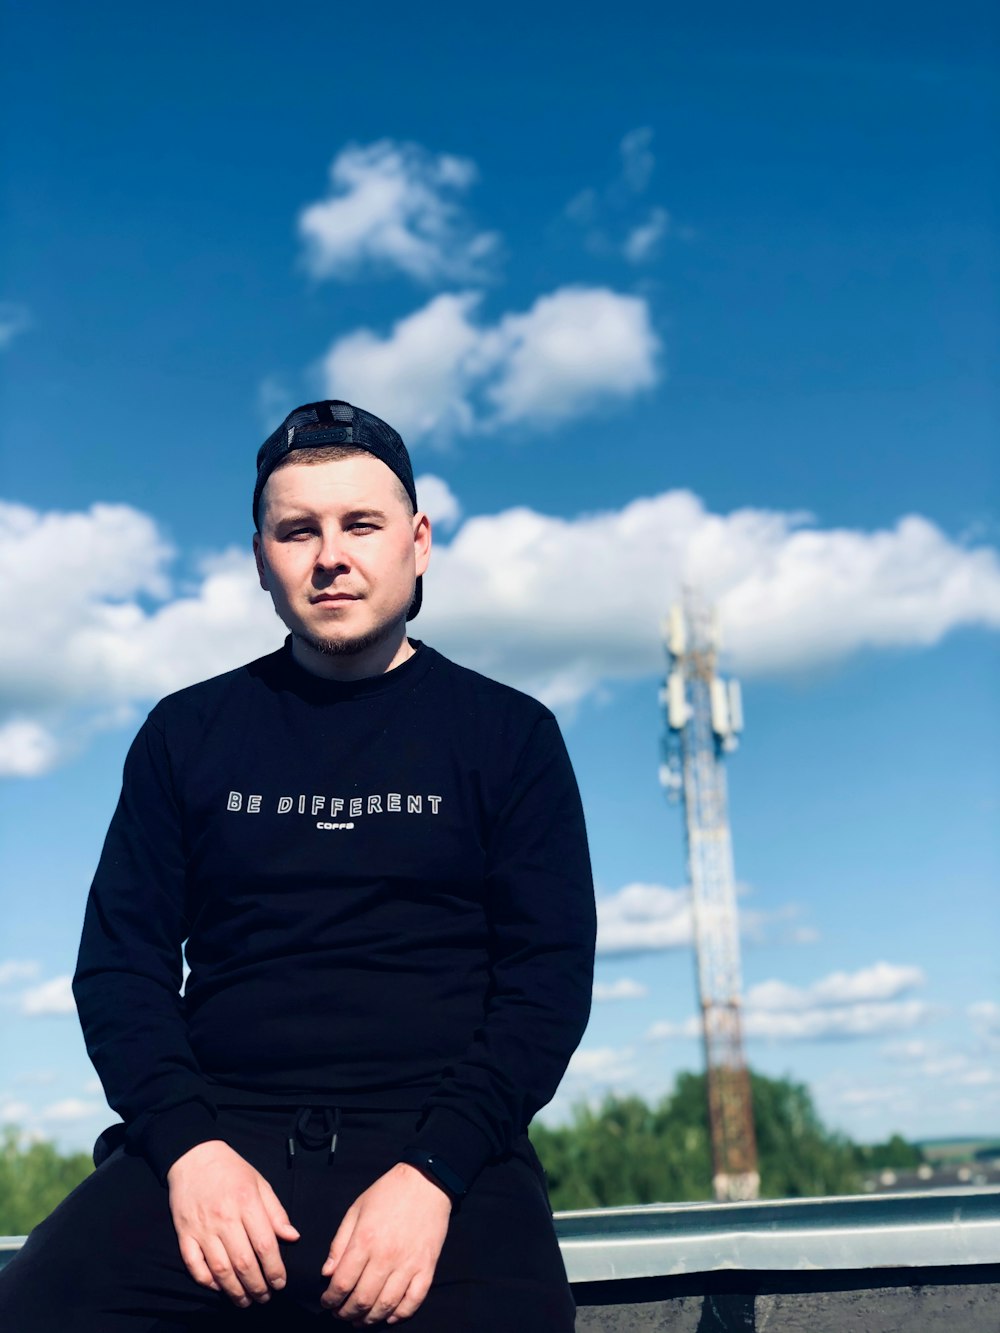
373 661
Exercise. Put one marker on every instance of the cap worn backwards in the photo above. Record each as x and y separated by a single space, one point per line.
330 422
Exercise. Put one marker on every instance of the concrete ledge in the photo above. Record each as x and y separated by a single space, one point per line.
935 1228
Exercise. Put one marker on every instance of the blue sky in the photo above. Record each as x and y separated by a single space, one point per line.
651 297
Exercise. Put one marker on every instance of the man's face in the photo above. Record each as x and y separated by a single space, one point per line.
339 551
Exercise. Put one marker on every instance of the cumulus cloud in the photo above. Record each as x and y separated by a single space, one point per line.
844 1021
642 918
881 981
396 206
575 603
643 240
71 1108
843 1005
442 371
624 988
18 969
51 997
602 1065
436 498
14 319
985 1015
607 216
119 633
26 748
637 158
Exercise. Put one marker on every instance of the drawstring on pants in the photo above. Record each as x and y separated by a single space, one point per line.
310 1138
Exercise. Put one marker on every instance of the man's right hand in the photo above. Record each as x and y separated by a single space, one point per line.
228 1221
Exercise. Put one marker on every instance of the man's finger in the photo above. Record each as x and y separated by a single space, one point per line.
222 1270
416 1294
194 1262
346 1275
245 1263
340 1241
389 1297
364 1293
265 1245
277 1216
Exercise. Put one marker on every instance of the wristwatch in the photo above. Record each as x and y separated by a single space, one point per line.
438 1169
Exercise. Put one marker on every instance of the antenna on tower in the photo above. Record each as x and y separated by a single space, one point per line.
704 716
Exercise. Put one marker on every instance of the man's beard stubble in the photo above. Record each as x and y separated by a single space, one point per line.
345 647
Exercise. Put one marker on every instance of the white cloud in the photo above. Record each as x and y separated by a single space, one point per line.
985 1015
608 217
637 158
667 1030
90 647
51 997
18 969
436 498
26 748
624 988
71 1108
571 350
643 917
881 981
573 604
600 1065
441 372
851 1020
11 1111
842 1005
642 241
14 319
396 206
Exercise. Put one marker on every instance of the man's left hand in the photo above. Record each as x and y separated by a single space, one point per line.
382 1259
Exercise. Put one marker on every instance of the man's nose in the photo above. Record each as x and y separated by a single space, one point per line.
332 553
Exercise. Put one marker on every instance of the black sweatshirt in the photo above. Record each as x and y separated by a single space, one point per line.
386 895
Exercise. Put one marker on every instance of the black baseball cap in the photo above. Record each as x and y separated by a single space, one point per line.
332 421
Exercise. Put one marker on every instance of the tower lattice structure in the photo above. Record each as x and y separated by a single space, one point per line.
704 720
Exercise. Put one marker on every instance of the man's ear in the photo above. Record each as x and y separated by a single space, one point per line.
422 541
258 556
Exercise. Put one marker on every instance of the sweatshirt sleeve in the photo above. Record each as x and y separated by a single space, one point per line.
128 974
542 921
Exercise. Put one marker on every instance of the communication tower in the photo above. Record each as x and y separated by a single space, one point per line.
704 720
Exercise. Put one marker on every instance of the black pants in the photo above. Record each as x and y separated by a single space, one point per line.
107 1260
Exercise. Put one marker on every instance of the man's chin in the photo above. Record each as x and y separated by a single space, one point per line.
345 644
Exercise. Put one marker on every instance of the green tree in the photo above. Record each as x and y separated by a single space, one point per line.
895 1154
626 1152
34 1178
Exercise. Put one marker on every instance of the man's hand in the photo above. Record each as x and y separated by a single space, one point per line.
228 1222
383 1256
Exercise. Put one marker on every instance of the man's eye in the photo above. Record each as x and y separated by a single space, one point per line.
363 527
296 534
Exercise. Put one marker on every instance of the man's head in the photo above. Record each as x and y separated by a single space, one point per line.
340 544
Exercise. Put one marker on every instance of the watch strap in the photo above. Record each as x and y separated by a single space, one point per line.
436 1167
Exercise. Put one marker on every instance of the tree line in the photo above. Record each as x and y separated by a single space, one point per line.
623 1151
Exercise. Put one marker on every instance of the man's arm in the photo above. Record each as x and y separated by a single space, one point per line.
128 974
127 990
542 921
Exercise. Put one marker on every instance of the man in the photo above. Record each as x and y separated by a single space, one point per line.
378 862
